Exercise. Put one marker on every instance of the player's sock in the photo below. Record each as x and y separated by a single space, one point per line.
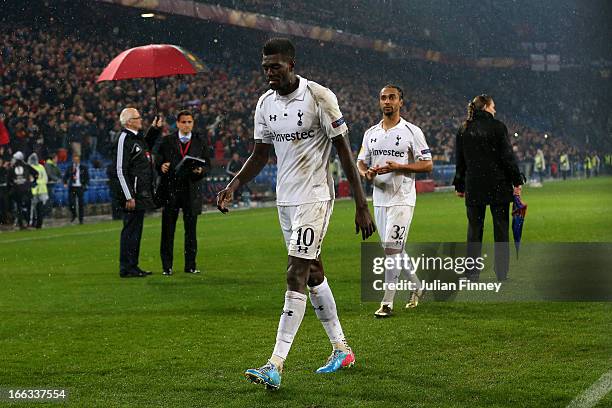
412 276
293 313
322 300
391 276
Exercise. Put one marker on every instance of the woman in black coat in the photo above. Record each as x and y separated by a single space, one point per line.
486 174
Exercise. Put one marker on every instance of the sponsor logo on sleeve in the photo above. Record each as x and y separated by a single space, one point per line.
426 151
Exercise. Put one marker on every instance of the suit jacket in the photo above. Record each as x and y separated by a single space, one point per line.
70 176
486 168
184 189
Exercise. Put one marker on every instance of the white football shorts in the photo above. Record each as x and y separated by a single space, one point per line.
393 224
304 227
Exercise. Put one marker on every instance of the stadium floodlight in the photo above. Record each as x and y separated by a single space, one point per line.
147 15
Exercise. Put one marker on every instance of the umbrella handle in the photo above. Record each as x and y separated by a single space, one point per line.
156 105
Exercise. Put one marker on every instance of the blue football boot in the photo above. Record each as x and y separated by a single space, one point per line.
338 359
268 375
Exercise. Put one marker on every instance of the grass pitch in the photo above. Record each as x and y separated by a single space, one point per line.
68 321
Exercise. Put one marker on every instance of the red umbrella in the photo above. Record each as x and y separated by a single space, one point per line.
152 61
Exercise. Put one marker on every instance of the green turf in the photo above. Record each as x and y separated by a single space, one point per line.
68 321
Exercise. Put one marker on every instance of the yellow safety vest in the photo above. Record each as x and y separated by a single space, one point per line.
41 181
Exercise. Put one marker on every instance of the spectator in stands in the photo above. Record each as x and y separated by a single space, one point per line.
54 175
232 168
76 179
596 164
76 134
20 179
564 164
39 193
588 165
539 165
4 192
4 134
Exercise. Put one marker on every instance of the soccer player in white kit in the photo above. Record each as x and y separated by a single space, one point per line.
302 120
391 152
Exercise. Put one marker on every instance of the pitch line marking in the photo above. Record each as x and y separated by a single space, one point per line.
34 238
594 393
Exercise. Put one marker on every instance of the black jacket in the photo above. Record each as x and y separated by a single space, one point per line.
70 176
21 178
133 169
183 189
486 169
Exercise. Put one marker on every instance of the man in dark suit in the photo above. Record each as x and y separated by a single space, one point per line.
486 174
180 189
76 178
133 176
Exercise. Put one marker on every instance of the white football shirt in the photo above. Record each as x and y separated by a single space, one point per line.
403 143
301 126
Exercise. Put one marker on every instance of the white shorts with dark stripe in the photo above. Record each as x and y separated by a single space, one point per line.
304 227
393 224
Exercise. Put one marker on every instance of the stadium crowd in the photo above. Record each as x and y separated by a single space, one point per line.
52 105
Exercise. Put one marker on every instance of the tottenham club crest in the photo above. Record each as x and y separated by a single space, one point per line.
300 114
398 138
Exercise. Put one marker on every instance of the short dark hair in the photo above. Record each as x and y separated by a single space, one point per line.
184 112
281 46
399 90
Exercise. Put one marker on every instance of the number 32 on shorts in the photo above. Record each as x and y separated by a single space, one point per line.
398 232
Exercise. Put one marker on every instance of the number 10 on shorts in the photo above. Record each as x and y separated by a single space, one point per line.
305 239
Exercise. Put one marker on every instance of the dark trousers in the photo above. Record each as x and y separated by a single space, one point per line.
21 201
38 214
5 205
130 240
116 204
501 223
169 217
76 200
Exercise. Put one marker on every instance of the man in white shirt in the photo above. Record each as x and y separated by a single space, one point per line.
392 151
302 120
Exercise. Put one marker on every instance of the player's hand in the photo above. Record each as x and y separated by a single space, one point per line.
460 194
130 204
363 222
165 167
389 168
198 170
224 198
371 173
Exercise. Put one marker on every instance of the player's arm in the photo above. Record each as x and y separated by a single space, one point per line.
254 164
422 155
363 220
364 171
421 166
